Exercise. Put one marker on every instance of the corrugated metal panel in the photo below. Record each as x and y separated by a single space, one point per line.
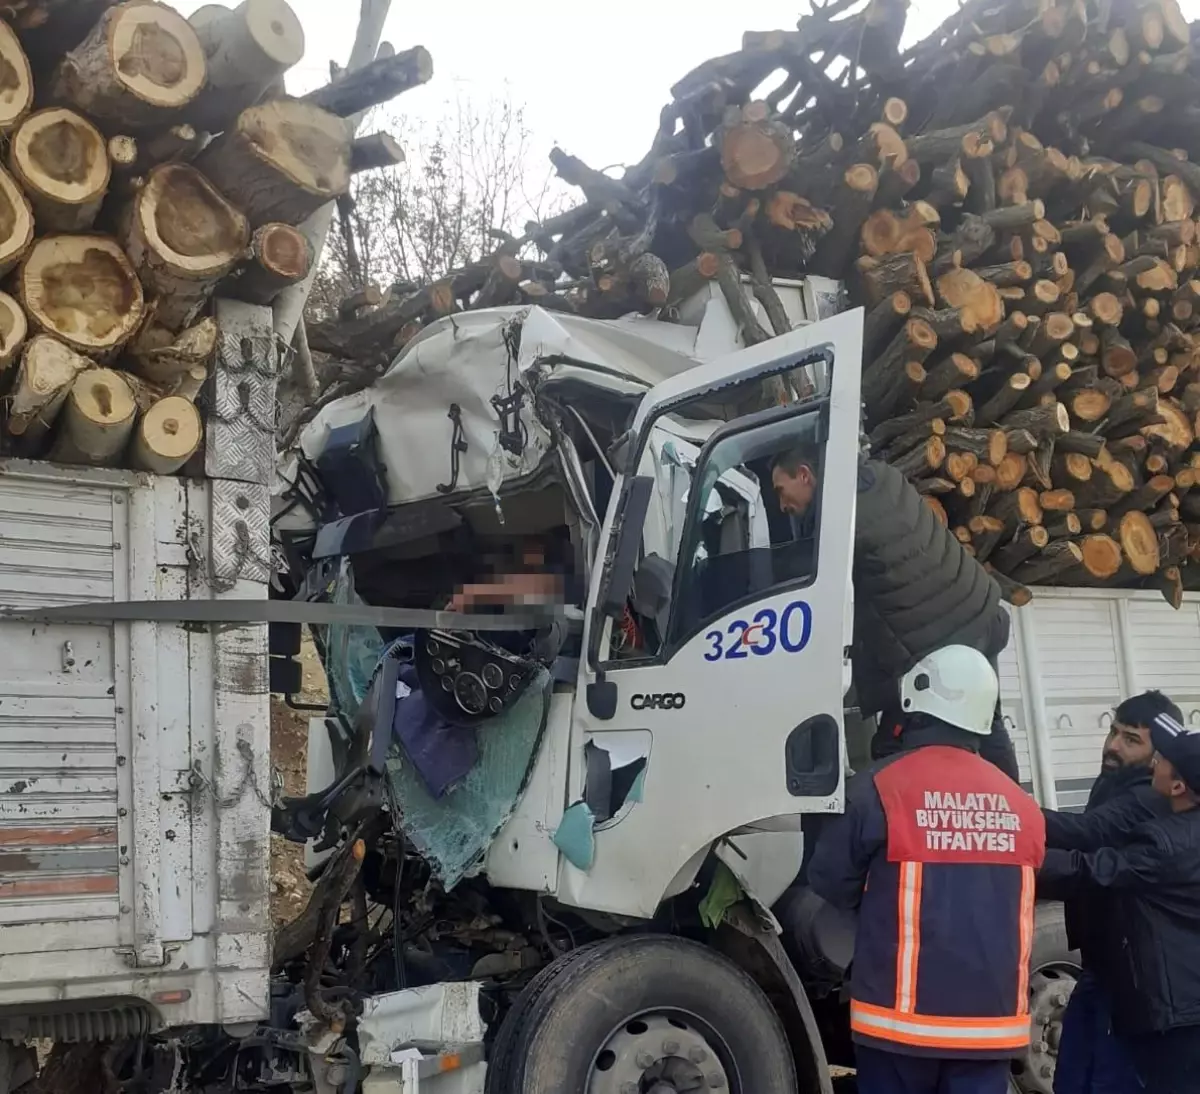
58 712
1011 707
1165 647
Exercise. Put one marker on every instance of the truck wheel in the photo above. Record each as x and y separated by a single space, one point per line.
643 1014
1051 980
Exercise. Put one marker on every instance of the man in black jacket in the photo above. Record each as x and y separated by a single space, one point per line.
1151 875
1090 1059
915 591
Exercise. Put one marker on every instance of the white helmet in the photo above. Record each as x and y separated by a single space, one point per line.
956 685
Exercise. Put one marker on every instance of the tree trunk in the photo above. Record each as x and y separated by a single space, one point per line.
97 419
182 237
48 370
166 436
141 63
281 257
281 162
1057 557
82 290
374 152
247 50
62 162
374 84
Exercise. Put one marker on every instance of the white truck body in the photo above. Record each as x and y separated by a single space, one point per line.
135 774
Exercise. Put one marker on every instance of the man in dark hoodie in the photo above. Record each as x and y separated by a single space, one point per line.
915 591
1090 1059
1149 877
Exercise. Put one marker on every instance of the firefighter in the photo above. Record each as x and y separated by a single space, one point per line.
937 852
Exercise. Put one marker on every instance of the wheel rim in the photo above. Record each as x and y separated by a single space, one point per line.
663 1052
1050 990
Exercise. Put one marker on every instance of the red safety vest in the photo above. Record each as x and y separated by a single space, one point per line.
946 926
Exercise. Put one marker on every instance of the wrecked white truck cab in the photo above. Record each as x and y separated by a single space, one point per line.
616 790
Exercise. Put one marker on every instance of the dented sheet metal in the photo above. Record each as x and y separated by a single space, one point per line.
464 361
453 832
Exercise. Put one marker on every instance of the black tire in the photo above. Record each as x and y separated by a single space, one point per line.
1051 978
550 1039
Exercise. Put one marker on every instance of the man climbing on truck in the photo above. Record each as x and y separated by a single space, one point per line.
936 852
915 590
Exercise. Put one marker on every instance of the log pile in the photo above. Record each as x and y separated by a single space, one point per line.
150 162
1013 201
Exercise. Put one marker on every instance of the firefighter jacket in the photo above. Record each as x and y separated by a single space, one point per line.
938 852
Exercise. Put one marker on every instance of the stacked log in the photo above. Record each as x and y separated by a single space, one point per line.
1012 200
121 214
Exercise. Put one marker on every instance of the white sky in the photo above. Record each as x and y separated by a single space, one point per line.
591 77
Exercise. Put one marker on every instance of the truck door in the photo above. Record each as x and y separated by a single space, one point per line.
714 645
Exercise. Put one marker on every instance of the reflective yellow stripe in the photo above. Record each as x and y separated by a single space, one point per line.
909 936
932 1031
1028 887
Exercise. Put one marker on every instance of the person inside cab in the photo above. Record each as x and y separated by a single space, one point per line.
915 590
937 853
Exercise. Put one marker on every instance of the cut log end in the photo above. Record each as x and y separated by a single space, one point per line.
97 419
167 436
282 161
48 369
16 80
182 236
1139 542
13 329
1101 556
140 62
82 290
62 161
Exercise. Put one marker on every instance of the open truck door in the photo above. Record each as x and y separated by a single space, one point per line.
720 709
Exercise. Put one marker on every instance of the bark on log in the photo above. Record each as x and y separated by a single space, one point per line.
998 406
164 358
13 329
61 160
141 62
1027 542
281 162
956 371
182 237
280 256
1012 592
896 273
374 84
48 370
1054 559
247 50
166 436
882 321
82 290
374 152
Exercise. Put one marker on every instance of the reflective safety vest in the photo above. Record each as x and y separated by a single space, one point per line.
945 934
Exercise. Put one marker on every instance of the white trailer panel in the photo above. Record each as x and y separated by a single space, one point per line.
134 758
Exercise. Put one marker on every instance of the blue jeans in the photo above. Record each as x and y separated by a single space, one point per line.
881 1072
1091 1058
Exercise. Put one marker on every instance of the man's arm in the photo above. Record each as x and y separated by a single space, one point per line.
1146 859
842 858
1108 825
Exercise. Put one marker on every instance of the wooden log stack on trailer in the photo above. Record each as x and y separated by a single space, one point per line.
1013 200
164 164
